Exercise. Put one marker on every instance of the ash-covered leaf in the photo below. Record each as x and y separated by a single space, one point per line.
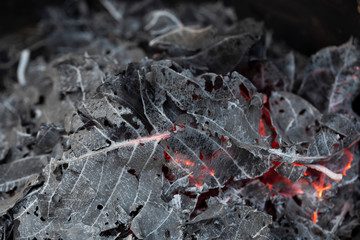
223 56
7 203
265 75
294 118
112 152
11 177
288 67
212 161
332 138
218 104
327 145
48 136
331 82
290 171
229 221
187 38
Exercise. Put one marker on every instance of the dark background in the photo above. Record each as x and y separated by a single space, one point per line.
305 25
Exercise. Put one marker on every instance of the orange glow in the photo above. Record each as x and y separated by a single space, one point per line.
350 157
212 173
261 128
305 173
323 189
198 185
281 184
314 218
320 187
298 164
188 163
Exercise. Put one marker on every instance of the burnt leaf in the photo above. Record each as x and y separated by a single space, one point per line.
294 118
47 137
290 171
266 75
11 177
187 38
8 203
229 221
141 147
130 141
331 81
223 112
223 56
287 66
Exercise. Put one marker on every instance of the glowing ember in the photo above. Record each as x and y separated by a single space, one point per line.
350 156
244 92
298 164
266 117
314 218
274 144
188 163
261 128
167 156
320 187
282 184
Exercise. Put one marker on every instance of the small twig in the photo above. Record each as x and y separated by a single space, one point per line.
112 10
24 60
339 219
335 176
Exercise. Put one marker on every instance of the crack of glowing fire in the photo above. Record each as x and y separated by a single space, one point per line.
197 179
314 218
321 189
320 186
262 128
350 156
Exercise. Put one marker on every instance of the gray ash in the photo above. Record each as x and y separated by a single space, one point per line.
141 121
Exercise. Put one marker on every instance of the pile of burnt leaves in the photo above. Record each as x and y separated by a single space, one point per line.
136 121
